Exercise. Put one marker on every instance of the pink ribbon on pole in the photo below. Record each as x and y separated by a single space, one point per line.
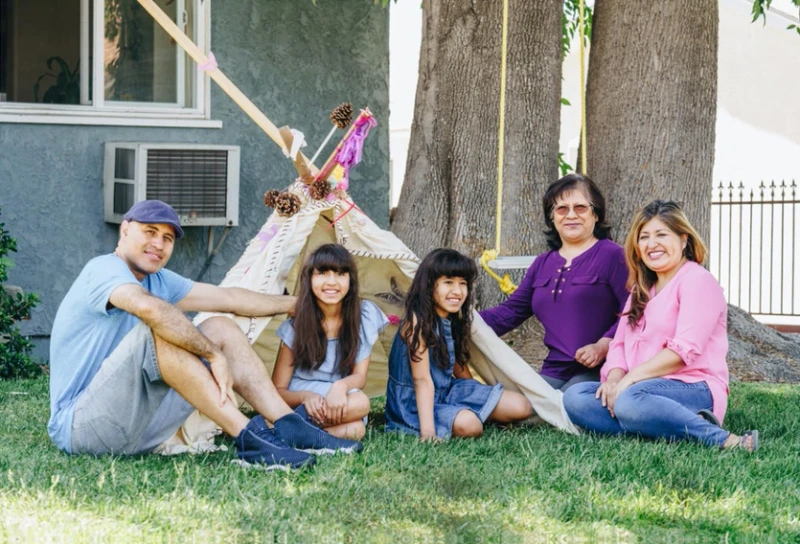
210 65
350 153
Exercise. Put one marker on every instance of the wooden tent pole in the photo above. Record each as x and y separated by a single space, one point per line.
216 74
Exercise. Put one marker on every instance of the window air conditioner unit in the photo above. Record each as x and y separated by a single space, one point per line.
200 181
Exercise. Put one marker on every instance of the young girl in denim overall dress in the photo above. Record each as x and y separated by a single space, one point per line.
431 392
323 361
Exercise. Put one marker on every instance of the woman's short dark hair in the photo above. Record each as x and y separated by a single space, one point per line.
568 183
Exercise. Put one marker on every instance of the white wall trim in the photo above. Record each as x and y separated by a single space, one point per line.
107 120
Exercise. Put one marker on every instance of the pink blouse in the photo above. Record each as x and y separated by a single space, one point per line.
689 316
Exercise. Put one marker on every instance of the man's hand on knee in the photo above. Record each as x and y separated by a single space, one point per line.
222 375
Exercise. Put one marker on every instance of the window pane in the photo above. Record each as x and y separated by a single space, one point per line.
123 197
141 60
33 35
124 163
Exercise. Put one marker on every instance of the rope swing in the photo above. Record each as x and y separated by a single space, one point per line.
506 285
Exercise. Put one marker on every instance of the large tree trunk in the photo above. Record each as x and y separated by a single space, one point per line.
759 353
651 106
449 194
651 114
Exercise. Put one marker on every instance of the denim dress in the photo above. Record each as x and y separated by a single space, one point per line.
451 395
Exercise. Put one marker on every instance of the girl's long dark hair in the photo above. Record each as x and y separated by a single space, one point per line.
310 340
422 321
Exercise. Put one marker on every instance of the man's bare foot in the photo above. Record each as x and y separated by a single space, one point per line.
748 441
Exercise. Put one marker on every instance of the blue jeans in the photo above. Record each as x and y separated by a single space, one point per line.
591 375
655 408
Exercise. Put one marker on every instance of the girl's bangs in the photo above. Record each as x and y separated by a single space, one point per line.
330 258
452 264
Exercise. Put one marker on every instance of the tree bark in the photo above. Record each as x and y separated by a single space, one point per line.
758 353
450 189
651 115
651 106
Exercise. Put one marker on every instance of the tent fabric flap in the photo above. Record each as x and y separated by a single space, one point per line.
272 262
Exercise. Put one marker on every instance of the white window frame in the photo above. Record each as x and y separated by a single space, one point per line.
103 112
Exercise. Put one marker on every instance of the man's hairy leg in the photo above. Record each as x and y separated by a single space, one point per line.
184 372
250 377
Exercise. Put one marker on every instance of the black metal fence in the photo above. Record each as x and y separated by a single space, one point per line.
754 246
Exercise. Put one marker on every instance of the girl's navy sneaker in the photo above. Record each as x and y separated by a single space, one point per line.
297 431
258 445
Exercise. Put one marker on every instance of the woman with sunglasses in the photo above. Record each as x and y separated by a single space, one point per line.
576 289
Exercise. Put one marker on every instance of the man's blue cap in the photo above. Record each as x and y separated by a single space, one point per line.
155 211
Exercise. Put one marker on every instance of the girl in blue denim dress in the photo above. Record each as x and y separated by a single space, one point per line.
322 365
431 392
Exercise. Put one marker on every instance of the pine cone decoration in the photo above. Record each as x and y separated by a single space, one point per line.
342 115
270 197
319 189
287 204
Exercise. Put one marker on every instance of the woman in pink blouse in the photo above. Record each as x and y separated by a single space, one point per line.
665 375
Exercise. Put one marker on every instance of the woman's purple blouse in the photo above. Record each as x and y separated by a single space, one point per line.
577 304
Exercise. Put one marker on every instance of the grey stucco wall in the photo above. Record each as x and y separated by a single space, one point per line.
294 60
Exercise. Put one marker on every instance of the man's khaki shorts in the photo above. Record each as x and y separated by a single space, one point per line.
127 408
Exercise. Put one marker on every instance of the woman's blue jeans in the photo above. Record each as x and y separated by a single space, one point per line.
655 408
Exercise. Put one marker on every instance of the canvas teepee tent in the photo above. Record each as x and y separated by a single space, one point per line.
272 260
271 263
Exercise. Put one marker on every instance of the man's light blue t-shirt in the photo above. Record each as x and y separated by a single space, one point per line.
85 332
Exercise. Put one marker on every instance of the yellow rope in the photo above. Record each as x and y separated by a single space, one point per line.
584 166
506 285
501 130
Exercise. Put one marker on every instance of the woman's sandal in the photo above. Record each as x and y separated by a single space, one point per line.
748 441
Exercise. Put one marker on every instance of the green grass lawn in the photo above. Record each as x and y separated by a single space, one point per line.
520 484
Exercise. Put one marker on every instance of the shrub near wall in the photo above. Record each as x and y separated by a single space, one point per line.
15 349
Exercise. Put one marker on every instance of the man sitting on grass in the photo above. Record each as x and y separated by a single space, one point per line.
127 367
